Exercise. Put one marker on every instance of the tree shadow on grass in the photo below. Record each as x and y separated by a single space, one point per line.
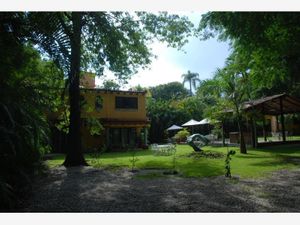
278 160
283 149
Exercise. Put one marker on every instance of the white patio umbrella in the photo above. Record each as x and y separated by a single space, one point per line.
205 121
191 123
174 127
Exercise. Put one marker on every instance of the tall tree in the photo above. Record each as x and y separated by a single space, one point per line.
113 40
169 91
192 79
268 42
27 85
111 85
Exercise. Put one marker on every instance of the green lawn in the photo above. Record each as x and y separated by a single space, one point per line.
256 163
288 138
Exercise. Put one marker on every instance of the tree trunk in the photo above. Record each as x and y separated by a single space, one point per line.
243 148
74 155
223 134
253 132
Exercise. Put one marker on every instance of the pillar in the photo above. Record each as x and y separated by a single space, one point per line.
282 120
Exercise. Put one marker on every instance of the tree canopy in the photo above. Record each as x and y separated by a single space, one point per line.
77 41
264 44
172 90
28 90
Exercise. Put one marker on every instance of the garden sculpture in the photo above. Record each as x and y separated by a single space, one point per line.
196 141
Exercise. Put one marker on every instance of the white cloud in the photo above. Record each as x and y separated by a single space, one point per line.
162 70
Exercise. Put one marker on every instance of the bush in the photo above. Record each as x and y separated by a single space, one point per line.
182 135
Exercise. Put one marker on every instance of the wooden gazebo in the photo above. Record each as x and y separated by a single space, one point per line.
276 105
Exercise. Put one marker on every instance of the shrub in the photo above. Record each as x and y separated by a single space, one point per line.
182 135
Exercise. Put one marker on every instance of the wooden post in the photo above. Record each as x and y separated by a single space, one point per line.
264 128
282 120
253 132
264 123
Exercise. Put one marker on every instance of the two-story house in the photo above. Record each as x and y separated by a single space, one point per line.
121 113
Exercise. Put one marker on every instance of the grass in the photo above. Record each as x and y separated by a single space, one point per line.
270 138
257 163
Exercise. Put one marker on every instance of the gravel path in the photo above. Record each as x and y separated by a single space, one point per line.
86 189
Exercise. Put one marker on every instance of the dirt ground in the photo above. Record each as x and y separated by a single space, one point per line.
86 189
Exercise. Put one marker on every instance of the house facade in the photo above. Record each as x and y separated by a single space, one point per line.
122 114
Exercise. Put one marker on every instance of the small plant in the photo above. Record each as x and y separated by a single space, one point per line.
96 156
227 163
133 160
181 135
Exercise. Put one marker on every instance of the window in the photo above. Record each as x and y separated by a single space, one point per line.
98 103
126 103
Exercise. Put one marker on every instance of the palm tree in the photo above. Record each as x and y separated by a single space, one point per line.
192 79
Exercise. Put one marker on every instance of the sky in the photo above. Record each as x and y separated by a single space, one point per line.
202 57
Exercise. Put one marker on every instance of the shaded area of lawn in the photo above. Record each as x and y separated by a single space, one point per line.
257 163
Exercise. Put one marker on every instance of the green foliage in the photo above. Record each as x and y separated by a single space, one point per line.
182 135
114 41
63 119
23 130
260 163
95 126
138 88
206 154
169 91
174 161
96 156
170 104
110 85
234 89
266 44
227 163
133 160
28 91
162 115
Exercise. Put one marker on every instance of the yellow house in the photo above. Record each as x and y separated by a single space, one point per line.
121 113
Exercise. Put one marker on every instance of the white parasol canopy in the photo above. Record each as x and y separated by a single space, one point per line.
205 121
191 123
174 127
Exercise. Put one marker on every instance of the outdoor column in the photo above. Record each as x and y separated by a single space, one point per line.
282 120
264 128
264 123
253 133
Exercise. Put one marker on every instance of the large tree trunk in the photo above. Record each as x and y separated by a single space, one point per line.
223 134
74 155
243 148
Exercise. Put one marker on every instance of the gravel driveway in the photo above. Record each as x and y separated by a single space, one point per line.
86 189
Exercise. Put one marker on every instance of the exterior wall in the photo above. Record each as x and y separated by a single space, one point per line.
109 110
112 118
130 122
